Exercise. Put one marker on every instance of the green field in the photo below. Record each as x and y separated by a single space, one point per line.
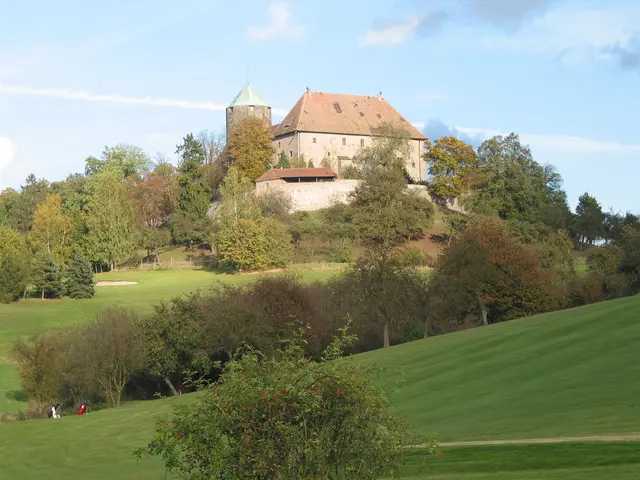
570 373
33 316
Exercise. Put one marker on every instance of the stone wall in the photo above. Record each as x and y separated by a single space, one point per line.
235 115
307 196
315 146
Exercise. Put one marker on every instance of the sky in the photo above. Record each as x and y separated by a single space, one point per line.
76 76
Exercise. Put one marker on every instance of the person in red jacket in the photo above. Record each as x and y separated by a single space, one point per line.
83 408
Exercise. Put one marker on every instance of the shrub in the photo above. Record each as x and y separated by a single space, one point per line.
255 244
275 204
286 417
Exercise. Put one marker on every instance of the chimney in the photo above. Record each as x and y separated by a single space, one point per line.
379 97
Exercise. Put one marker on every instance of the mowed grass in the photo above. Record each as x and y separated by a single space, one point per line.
569 373
557 375
32 316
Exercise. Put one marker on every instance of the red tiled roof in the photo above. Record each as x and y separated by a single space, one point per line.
338 113
280 173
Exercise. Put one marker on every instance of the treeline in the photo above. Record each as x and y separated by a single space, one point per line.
491 269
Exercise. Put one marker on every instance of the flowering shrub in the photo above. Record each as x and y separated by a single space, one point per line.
286 418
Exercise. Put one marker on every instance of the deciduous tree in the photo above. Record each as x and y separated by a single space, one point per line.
110 220
251 148
287 417
52 230
450 161
589 221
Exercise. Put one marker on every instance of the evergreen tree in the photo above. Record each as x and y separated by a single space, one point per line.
190 223
13 279
48 278
283 161
80 279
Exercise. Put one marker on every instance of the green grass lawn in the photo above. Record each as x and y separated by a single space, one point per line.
569 373
562 374
33 316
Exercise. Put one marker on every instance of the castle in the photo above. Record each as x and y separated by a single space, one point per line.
328 125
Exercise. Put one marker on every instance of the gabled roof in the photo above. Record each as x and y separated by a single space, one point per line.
248 97
280 173
342 114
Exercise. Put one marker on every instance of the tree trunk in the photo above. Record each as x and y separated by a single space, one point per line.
426 328
387 343
483 312
166 379
42 293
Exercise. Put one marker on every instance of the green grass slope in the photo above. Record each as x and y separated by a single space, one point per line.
569 373
557 375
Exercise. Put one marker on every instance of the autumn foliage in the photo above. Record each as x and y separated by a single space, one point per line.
286 417
251 148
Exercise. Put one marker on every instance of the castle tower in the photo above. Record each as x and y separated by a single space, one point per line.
247 104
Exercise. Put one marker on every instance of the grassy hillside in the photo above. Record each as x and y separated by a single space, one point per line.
562 374
573 372
32 316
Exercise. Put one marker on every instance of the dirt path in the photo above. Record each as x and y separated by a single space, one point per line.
629 437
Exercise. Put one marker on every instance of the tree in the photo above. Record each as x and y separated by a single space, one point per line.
129 159
283 161
212 145
255 244
15 264
110 220
191 223
154 197
390 289
251 148
115 351
52 230
80 278
589 220
488 275
48 277
286 417
510 184
450 161
386 212
21 206
237 199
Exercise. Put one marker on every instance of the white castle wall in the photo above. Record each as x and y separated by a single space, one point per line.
307 196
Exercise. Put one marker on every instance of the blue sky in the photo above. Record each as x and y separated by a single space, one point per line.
76 76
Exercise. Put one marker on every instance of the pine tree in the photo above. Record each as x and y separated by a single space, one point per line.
283 161
80 279
190 224
48 278
12 279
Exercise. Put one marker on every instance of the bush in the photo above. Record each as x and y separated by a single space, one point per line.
255 244
286 417
275 204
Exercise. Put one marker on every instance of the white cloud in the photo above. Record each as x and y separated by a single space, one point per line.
279 112
574 34
558 143
391 34
281 23
419 125
7 153
109 98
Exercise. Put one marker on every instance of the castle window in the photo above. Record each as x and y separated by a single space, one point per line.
291 153
413 164
278 144
362 142
251 109
314 139
344 141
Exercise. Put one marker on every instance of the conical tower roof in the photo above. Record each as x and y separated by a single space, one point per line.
248 97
